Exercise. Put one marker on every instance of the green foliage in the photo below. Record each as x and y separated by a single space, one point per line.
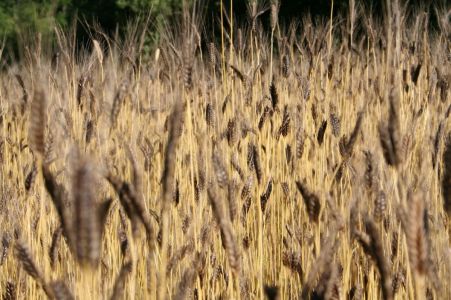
160 10
21 17
163 7
137 5
18 17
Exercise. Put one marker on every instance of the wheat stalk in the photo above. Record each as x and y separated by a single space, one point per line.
38 121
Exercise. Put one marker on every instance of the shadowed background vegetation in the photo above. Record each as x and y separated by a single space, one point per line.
20 19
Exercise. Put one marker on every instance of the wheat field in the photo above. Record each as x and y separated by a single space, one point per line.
310 161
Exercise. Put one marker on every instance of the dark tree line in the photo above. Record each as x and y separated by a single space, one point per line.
22 18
